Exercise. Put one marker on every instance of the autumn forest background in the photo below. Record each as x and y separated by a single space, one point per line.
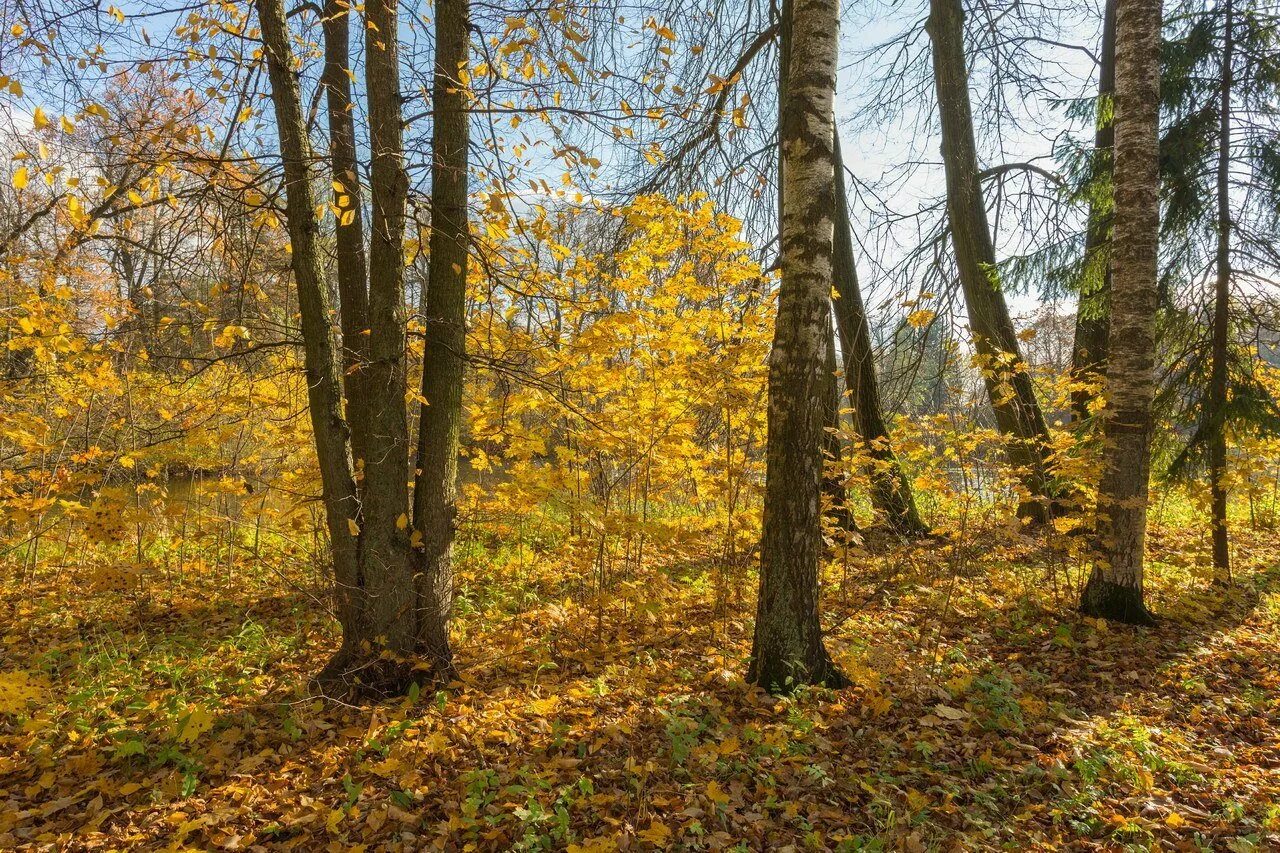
678 425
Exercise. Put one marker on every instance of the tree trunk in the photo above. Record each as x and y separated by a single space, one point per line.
435 492
353 284
385 558
1114 590
787 648
1216 402
1089 349
324 383
890 492
1008 384
838 511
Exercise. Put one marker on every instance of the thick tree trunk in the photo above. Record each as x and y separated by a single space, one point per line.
1216 402
324 383
1089 349
435 493
1008 384
891 494
787 649
385 558
1114 590
353 283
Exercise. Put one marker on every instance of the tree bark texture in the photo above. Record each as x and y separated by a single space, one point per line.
787 649
435 493
1114 589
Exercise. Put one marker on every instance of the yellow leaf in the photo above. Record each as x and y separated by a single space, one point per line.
920 319
352 527
197 722
716 794
17 689
67 126
16 30
657 833
402 522
39 119
20 178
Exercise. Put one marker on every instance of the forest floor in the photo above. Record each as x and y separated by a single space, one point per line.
985 714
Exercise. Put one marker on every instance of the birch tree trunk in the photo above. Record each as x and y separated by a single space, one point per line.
787 648
435 493
891 494
1114 590
1089 349
1008 384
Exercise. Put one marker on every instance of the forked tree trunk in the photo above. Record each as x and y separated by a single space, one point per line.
787 649
1216 401
372 574
1008 384
1114 589
324 382
1089 349
891 494
435 494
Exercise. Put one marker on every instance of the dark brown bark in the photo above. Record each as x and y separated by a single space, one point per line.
787 648
1115 587
1216 399
324 384
352 266
891 494
435 493
388 574
838 511
1008 384
1089 349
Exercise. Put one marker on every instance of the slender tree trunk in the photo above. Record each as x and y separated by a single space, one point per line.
353 284
1216 402
1008 384
787 648
435 493
1089 349
1114 590
838 513
324 383
891 494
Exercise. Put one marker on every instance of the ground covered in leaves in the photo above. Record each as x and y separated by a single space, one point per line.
985 714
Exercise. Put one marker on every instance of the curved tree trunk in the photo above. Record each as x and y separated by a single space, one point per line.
1114 590
1216 402
1089 349
890 492
1008 384
435 491
787 648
